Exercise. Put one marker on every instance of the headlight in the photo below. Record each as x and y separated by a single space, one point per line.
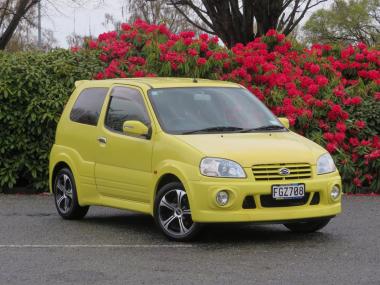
325 164
218 167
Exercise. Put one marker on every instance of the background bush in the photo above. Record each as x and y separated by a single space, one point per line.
34 88
330 94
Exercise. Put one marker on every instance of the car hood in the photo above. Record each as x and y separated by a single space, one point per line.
256 148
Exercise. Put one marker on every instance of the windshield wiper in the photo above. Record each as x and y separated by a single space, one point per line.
215 129
264 128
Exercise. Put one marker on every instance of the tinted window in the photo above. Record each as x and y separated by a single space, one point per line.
125 104
87 108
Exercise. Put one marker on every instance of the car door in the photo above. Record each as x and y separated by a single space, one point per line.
80 132
123 165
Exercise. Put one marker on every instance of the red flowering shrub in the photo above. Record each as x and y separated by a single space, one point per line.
329 94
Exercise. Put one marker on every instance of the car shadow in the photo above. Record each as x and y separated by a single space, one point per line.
256 233
124 221
211 234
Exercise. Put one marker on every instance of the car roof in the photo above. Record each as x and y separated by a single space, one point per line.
162 82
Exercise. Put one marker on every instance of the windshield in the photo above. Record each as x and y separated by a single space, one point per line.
211 110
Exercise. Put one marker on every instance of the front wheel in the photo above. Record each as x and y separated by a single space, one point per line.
65 196
172 213
307 226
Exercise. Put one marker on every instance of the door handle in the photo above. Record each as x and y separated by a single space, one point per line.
102 140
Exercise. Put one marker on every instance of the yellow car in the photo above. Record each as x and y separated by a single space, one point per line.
188 152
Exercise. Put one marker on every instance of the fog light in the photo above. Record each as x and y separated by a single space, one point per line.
335 191
222 198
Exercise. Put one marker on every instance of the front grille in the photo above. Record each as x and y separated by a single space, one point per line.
268 172
267 201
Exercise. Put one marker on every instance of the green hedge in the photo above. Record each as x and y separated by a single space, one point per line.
34 88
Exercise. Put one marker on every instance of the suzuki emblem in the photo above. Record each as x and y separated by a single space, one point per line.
284 171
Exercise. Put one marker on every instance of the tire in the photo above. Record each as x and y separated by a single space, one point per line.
66 197
173 215
309 226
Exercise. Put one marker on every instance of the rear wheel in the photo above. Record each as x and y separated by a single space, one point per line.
65 196
172 213
307 226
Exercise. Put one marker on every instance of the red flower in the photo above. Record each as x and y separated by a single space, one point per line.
125 27
361 45
339 137
356 100
360 124
203 37
99 76
139 73
280 37
354 141
192 52
271 32
359 57
331 147
368 177
203 46
373 74
215 39
328 136
363 73
92 44
335 112
318 103
357 182
314 68
373 155
201 61
341 126
313 89
321 80
187 41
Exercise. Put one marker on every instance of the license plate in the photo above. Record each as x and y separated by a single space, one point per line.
288 191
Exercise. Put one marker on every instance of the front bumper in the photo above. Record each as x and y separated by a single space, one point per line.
205 209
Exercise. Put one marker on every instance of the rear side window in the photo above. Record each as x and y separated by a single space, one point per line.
87 108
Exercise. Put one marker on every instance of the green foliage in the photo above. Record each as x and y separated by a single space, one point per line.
346 21
34 88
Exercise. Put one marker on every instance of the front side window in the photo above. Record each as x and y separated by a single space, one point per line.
211 110
87 108
125 104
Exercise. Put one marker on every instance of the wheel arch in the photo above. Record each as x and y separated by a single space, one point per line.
166 179
170 174
58 166
60 163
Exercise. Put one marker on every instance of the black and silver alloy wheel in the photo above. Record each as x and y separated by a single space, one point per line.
64 193
173 214
65 196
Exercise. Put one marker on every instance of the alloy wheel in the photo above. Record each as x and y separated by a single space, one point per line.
64 193
174 212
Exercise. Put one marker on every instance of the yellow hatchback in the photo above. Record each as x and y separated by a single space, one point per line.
188 152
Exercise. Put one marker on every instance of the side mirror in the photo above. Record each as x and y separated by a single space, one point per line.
135 128
285 122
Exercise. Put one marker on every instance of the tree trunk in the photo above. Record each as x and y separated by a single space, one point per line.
22 8
229 23
267 13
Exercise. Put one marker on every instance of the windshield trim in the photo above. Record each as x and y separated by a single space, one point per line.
181 132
